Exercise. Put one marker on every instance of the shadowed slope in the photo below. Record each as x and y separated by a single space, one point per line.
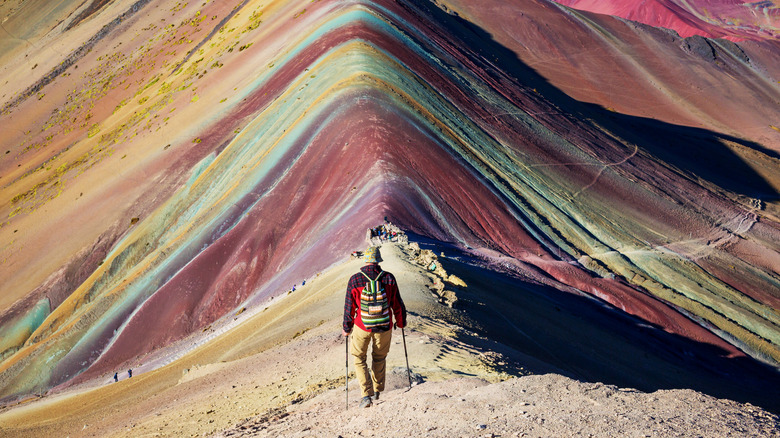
393 109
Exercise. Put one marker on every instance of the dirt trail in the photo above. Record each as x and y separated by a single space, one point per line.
534 406
281 373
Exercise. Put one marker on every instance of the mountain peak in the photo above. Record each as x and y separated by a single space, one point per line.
170 166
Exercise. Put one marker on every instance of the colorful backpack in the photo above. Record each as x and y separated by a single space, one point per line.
374 309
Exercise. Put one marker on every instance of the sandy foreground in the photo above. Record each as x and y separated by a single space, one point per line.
280 372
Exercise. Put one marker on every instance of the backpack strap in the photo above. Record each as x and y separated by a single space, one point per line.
370 279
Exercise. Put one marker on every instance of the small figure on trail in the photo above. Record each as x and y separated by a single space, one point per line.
116 377
130 373
373 296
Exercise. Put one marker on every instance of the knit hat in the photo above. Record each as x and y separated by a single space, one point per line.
372 255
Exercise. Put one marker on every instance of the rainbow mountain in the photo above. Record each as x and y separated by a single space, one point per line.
168 164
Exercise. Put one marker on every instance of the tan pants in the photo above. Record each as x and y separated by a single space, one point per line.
374 381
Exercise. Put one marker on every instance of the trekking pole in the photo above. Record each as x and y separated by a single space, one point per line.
408 372
346 376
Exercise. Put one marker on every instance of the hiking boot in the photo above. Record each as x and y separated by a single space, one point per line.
366 402
376 396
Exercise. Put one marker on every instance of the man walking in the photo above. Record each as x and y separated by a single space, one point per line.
372 296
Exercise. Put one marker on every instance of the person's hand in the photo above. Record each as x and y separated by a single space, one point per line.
344 332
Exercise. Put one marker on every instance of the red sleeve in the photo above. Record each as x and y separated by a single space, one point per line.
350 307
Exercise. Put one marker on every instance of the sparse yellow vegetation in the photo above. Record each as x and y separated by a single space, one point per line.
254 21
93 130
179 6
114 73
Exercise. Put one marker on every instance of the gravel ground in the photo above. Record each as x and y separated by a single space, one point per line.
529 406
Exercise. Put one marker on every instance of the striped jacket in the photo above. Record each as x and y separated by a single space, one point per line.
355 287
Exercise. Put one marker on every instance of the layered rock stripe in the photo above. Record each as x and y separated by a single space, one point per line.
168 164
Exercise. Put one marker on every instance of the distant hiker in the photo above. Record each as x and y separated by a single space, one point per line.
373 295
116 377
130 373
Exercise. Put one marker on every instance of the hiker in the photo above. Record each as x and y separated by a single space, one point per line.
373 295
130 373
116 377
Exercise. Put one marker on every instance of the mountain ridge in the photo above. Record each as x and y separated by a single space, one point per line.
264 373
399 110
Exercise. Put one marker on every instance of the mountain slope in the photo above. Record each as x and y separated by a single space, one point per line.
280 371
185 162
